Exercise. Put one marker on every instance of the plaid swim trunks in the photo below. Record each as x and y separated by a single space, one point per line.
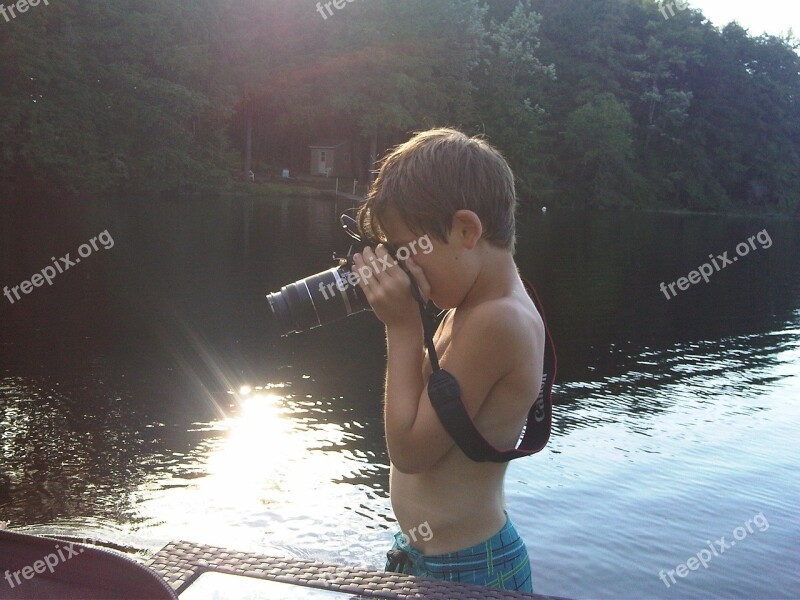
500 562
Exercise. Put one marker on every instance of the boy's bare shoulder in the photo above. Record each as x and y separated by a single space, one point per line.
504 339
507 318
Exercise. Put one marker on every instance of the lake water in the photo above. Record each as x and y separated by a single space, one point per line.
145 395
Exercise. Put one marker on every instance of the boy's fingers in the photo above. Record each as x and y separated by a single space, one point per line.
371 260
385 261
366 261
361 268
380 261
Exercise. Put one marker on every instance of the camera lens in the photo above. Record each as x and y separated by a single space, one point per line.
316 300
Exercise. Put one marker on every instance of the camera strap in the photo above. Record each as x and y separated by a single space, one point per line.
445 395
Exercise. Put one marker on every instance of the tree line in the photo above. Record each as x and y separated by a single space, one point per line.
596 103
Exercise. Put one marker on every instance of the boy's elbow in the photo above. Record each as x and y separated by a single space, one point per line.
410 464
407 468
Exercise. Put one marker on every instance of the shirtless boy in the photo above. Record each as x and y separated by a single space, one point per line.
460 192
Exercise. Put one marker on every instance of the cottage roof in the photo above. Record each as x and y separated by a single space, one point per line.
328 144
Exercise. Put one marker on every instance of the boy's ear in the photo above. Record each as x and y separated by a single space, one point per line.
467 225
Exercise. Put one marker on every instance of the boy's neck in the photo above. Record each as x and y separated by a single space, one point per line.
497 277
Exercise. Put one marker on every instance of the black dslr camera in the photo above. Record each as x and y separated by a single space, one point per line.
324 297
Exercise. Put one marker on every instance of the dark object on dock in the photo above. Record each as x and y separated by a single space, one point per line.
33 567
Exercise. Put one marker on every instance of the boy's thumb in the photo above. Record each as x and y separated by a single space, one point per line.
419 277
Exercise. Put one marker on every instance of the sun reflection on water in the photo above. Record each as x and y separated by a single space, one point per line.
267 460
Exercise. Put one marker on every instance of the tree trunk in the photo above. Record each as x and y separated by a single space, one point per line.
373 154
248 143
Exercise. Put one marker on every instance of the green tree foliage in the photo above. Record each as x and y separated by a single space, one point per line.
378 68
595 102
113 95
598 150
509 93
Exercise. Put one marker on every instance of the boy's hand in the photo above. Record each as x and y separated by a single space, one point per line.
388 288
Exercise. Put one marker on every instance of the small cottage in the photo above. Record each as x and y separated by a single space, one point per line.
331 159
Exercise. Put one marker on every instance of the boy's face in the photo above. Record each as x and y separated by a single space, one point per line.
438 260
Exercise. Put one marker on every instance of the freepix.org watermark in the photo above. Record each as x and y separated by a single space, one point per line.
424 530
705 555
322 7
705 270
383 262
671 6
19 7
47 563
59 266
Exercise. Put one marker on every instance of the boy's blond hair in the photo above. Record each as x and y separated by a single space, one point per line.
433 175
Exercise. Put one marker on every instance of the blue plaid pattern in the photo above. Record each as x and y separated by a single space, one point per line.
500 562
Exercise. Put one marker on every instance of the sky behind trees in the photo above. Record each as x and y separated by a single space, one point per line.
774 17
